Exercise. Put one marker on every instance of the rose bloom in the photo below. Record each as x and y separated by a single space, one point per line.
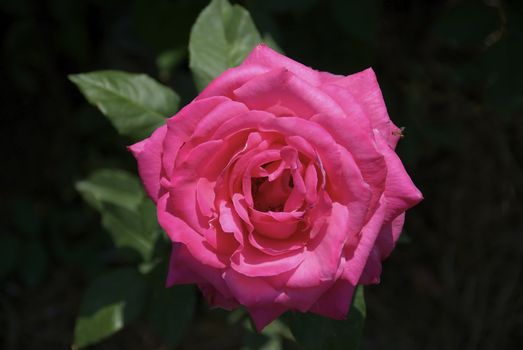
279 187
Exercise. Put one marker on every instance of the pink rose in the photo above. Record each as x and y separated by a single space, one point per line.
279 187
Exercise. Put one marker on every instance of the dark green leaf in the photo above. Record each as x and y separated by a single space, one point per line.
134 103
171 312
316 332
110 303
221 38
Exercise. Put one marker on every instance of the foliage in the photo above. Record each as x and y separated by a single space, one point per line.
134 103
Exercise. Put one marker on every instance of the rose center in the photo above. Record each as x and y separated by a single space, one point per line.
271 195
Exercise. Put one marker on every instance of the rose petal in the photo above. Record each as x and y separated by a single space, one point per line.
230 221
185 269
345 180
400 193
148 154
264 56
249 261
242 288
180 232
335 302
357 252
366 91
372 271
281 87
181 125
354 132
231 79
311 183
388 236
277 246
322 258
262 315
276 225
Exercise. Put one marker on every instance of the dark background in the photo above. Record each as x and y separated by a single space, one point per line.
451 73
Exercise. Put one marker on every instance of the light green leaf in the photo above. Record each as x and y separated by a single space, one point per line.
316 332
221 37
134 103
110 303
112 186
127 214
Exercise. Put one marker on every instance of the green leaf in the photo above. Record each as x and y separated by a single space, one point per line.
316 332
221 37
127 214
137 230
134 103
110 303
112 186
171 312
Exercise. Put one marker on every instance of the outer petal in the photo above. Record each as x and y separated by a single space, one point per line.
264 56
353 131
181 126
250 291
280 87
262 315
148 154
388 236
335 302
360 249
365 89
231 79
185 269
400 192
180 232
371 273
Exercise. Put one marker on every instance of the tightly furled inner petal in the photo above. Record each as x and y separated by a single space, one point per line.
271 195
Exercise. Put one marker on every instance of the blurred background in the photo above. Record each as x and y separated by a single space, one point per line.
451 73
